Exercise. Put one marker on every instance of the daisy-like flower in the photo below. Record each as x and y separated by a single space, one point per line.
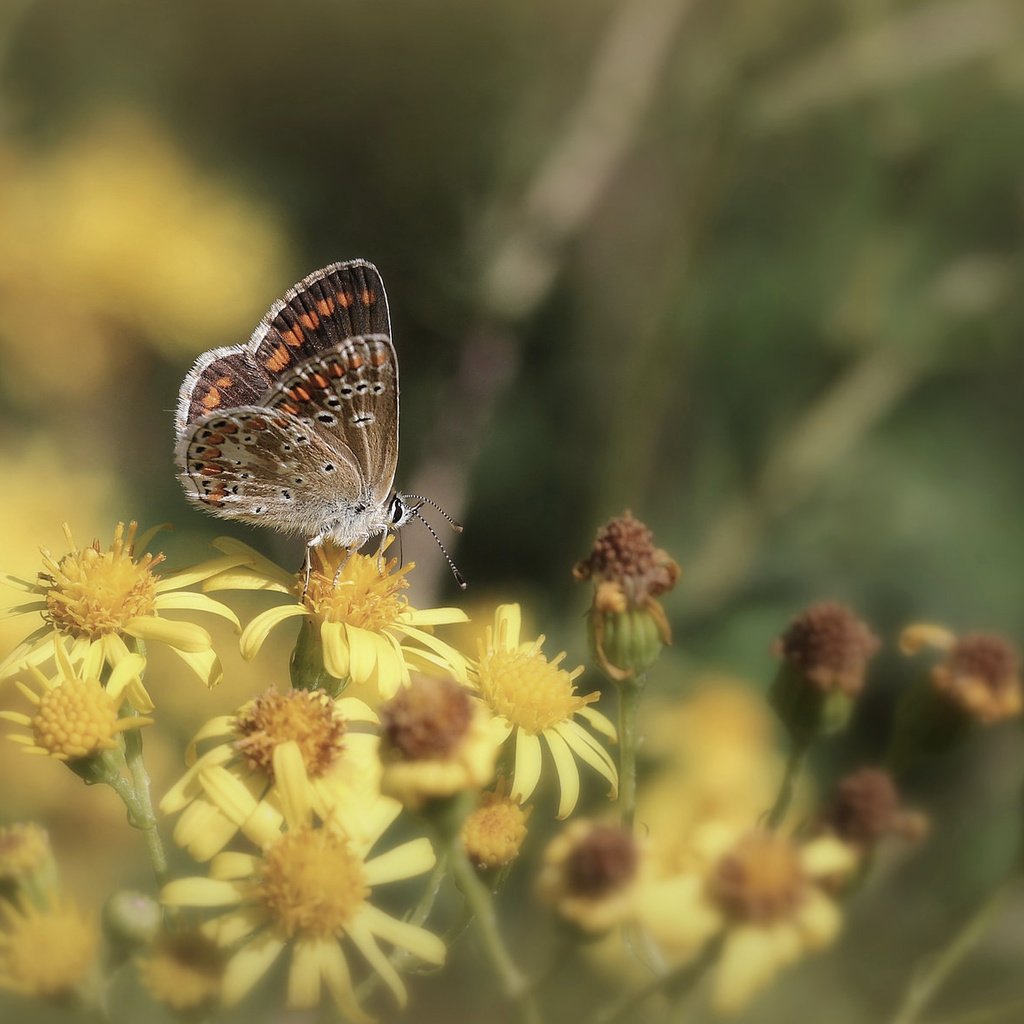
437 740
309 889
45 952
534 699
370 633
493 834
95 597
183 971
766 897
223 789
75 716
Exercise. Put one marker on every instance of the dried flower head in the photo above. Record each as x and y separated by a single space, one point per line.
829 646
866 807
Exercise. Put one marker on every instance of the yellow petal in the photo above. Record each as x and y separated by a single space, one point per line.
335 974
455 661
188 601
202 892
405 861
527 766
363 941
183 636
508 621
247 966
292 785
598 721
255 561
221 725
818 920
362 654
827 856
568 774
18 718
230 928
748 962
926 634
418 941
204 664
92 664
203 830
228 792
304 976
353 709
336 652
587 749
677 913
231 866
33 650
188 787
126 672
259 628
435 616
187 577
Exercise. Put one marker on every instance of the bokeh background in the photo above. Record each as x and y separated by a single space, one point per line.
751 268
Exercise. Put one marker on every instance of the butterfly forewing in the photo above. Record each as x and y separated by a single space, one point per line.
350 393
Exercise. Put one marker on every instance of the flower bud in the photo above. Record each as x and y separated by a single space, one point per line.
131 920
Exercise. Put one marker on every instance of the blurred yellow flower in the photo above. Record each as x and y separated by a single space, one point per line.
765 895
308 889
75 715
533 699
183 971
437 740
139 249
48 952
370 633
229 781
97 598
493 834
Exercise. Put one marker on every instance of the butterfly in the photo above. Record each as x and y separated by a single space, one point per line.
297 429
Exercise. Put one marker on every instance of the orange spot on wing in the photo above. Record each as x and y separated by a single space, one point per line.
344 299
293 337
210 469
325 307
211 399
335 369
321 381
379 357
291 410
224 382
278 359
301 394
368 297
310 321
355 361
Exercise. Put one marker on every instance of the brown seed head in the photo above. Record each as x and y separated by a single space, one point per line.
428 719
866 807
761 880
830 646
982 673
624 553
604 860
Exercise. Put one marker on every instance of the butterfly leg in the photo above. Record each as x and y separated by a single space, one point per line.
341 567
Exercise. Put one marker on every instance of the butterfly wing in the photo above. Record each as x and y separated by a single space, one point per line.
268 468
340 301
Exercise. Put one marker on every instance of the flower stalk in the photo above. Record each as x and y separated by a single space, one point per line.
630 692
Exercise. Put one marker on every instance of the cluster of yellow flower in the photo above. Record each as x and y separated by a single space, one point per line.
287 798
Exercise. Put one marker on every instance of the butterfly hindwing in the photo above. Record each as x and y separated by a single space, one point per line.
267 467
350 392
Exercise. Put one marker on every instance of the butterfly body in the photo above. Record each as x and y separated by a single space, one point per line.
298 428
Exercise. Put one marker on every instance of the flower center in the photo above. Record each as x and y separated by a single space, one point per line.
91 592
528 690
306 717
311 883
364 596
47 954
426 720
760 880
75 719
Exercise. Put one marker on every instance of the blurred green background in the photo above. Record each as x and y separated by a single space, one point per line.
751 268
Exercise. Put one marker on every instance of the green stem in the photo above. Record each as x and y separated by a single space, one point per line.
140 810
677 983
629 700
925 984
794 763
479 899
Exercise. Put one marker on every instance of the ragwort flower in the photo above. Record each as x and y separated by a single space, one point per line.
533 699
371 634
222 791
309 889
184 971
766 897
99 598
75 715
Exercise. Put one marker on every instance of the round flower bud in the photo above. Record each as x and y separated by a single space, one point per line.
131 919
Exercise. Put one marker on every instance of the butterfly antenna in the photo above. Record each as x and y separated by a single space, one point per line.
456 526
459 578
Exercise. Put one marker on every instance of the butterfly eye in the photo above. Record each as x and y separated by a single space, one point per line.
397 511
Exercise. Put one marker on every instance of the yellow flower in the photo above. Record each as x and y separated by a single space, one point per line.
24 850
767 898
310 889
227 783
75 715
370 633
184 971
437 740
98 598
45 953
493 834
533 699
